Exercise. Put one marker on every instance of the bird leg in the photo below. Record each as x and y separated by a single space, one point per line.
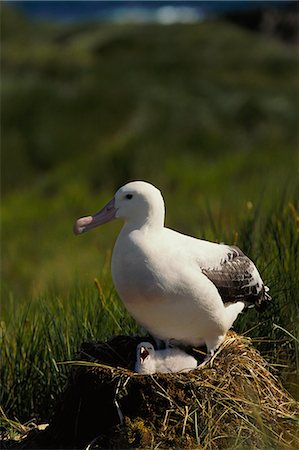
212 345
160 343
207 359
163 344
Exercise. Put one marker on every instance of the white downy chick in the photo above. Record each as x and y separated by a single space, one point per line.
149 360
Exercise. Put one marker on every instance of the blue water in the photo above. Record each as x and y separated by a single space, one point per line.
105 10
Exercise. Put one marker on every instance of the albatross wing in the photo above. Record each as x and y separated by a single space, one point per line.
237 278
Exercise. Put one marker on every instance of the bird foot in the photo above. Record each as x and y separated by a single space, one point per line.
160 344
207 359
165 343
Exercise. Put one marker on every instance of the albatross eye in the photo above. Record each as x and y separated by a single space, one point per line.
129 196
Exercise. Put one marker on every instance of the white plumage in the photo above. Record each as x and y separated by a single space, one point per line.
149 360
176 286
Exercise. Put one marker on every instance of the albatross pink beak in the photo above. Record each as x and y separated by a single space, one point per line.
103 216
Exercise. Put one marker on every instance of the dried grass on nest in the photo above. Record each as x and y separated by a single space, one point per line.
233 403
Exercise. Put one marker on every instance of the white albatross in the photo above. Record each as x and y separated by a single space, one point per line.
169 360
178 287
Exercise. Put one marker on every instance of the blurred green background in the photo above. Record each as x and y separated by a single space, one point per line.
208 112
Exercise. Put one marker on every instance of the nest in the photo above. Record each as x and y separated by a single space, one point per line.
234 402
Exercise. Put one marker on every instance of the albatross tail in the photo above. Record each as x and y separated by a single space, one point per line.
263 299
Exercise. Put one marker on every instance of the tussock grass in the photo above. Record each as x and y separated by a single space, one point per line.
236 402
210 124
14 431
36 337
233 403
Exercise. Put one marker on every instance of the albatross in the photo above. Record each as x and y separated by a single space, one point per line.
172 359
181 289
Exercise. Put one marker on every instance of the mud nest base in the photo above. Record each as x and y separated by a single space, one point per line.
234 402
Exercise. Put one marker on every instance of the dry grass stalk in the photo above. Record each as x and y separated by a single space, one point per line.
233 403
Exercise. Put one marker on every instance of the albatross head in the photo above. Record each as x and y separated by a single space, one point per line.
137 202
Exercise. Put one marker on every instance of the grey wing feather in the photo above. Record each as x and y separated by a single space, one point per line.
237 278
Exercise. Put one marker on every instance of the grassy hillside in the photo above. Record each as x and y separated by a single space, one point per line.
208 113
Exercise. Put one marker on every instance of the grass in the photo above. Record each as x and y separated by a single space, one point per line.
37 336
203 408
234 403
88 107
207 113
44 333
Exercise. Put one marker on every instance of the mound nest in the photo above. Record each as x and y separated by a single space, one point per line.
234 402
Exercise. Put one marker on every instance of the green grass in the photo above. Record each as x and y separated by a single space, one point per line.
36 337
206 113
45 333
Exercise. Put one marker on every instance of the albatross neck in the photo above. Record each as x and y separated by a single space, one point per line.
153 220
